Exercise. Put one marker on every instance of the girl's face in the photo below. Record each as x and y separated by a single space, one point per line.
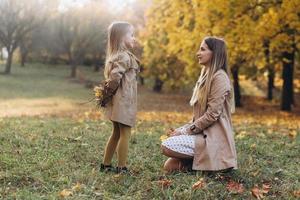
129 38
204 54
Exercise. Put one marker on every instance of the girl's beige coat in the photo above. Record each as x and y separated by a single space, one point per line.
123 107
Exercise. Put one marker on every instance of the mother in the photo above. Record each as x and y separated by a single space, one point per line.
207 143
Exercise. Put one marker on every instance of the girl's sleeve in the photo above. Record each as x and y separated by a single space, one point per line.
220 88
117 71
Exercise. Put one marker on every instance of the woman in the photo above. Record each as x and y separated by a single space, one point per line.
207 143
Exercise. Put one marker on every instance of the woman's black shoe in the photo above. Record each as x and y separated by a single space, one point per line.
106 168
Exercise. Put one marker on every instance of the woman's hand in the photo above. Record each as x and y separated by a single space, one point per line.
173 132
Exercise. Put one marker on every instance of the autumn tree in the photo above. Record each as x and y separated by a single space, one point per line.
259 35
17 19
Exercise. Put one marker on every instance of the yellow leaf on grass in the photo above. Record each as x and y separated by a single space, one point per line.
77 187
65 193
163 137
293 134
253 146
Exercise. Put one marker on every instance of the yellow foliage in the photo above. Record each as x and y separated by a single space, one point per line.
174 29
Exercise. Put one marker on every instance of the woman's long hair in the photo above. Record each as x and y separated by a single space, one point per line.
115 44
218 61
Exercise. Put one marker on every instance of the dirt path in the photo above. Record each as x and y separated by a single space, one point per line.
42 106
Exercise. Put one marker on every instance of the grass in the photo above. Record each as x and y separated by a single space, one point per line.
46 156
42 156
42 89
43 81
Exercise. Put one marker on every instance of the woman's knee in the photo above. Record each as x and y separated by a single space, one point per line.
174 164
171 165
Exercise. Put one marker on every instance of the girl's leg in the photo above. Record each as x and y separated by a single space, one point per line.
111 144
122 150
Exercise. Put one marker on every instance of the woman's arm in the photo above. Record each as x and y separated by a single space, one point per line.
220 88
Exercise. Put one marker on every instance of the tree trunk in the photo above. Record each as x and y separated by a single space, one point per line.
73 69
1 54
97 63
23 59
271 72
236 86
271 76
142 80
73 64
158 84
287 96
8 63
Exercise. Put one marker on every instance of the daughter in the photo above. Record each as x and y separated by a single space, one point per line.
120 71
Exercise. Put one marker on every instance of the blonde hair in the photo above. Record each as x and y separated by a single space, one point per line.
218 62
115 44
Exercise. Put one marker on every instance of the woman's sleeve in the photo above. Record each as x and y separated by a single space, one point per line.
220 88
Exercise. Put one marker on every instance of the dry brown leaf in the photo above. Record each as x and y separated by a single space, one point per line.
199 184
266 188
297 193
235 187
257 192
65 193
164 183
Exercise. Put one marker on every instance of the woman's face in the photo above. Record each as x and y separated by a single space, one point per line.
204 54
129 38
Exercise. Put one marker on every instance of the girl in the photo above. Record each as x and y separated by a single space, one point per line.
120 71
207 143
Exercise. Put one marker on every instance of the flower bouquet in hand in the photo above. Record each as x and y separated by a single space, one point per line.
104 92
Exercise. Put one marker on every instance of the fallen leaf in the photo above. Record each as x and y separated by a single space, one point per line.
78 138
98 193
65 193
266 188
164 183
77 187
235 187
163 137
257 192
199 184
297 193
293 134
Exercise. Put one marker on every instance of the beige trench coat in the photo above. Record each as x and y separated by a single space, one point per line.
123 107
215 146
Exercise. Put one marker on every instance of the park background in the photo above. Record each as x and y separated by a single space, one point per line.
53 52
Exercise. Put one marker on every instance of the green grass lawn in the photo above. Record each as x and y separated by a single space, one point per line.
45 156
44 81
40 157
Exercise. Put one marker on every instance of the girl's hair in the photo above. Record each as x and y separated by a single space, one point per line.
218 62
116 33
